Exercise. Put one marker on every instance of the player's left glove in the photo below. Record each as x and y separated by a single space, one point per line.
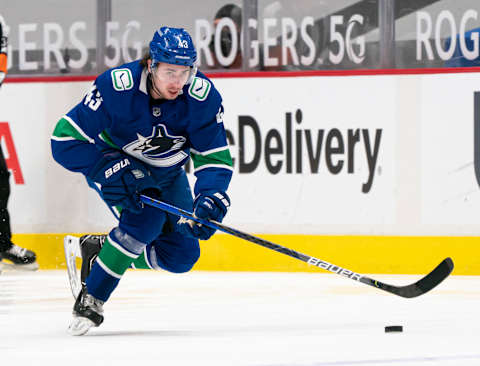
208 206
122 179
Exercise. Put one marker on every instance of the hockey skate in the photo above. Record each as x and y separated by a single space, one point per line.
87 248
87 313
19 258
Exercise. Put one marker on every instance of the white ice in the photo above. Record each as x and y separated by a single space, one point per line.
254 319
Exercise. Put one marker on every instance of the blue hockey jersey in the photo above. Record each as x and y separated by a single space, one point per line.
119 113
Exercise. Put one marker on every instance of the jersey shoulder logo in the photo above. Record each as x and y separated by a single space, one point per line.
199 89
122 79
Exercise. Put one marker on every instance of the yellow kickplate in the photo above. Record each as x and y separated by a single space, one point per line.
362 254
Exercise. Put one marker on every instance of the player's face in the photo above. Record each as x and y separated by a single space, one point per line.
170 79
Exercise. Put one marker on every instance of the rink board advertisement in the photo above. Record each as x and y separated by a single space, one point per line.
332 164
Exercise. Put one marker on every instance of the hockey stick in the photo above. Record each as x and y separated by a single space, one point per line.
416 289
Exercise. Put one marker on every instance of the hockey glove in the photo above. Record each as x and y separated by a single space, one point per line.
208 206
122 178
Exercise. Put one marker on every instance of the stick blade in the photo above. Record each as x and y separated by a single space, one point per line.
428 282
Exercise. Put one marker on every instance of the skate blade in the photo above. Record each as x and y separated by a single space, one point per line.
71 245
79 326
19 267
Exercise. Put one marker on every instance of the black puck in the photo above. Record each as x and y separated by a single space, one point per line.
393 328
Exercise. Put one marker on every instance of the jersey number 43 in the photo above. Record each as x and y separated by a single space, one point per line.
93 99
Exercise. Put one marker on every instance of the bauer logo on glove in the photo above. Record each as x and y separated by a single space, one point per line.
121 179
114 169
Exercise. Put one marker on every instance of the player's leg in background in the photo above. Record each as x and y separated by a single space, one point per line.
172 251
17 257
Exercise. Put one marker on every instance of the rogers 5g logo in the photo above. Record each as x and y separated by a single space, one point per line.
347 43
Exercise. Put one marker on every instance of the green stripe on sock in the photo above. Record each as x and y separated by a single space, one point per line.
114 259
218 158
141 262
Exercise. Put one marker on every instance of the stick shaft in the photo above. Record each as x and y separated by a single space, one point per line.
254 239
420 287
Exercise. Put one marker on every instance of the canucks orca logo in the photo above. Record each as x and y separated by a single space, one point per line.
159 149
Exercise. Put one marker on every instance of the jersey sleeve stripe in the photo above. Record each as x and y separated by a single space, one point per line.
208 152
217 166
105 137
66 138
220 159
66 127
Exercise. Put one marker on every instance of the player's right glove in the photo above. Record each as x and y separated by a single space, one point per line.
208 206
122 178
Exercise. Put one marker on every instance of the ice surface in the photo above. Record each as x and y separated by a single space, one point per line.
257 319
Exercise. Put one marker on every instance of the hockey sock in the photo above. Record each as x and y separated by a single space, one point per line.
112 262
141 262
146 260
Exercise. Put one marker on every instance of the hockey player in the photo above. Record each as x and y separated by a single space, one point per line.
17 257
133 132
